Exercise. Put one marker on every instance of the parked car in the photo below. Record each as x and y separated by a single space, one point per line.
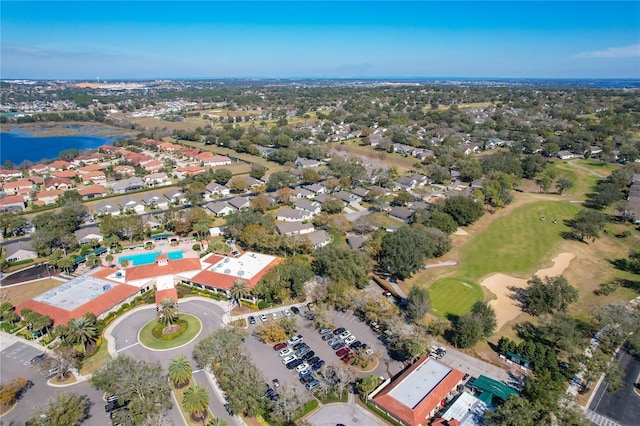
285 352
306 377
337 345
339 330
342 352
349 340
263 318
293 364
308 355
344 334
300 352
295 339
288 359
333 341
324 331
300 345
295 310
286 312
302 367
318 365
279 346
274 315
327 336
252 319
313 384
268 393
348 358
355 345
276 383
313 360
386 293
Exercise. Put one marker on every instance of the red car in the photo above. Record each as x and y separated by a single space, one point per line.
386 293
279 346
342 352
348 358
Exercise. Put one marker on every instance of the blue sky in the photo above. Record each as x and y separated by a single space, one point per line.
238 39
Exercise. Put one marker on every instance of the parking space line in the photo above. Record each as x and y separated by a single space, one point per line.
127 347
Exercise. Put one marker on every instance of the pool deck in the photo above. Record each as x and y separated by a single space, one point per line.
185 246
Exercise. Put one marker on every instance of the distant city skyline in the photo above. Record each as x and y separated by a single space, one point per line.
164 39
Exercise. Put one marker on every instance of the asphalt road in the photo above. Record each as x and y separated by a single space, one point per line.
624 405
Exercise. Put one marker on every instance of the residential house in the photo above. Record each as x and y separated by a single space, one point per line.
131 205
6 174
317 239
67 174
183 172
152 165
175 196
348 198
264 151
96 177
107 208
360 192
287 214
19 250
301 192
18 186
316 188
309 206
304 163
215 188
240 203
220 208
12 203
294 228
150 222
88 235
209 160
157 179
124 170
92 191
566 155
401 213
128 185
155 201
63 184
60 165
38 169
46 198
355 242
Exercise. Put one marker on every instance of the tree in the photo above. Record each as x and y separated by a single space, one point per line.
365 385
418 303
201 228
239 290
168 312
279 180
238 184
140 382
66 408
403 198
257 171
81 331
332 205
222 176
217 422
588 224
180 371
310 176
342 263
463 210
549 295
287 405
196 401
8 312
563 184
466 332
11 391
485 316
271 332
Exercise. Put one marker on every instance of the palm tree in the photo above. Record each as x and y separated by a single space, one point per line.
217 422
168 312
81 331
239 290
196 401
179 371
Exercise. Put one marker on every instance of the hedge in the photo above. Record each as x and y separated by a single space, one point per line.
20 262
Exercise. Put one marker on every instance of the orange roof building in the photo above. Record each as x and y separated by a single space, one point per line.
414 396
221 272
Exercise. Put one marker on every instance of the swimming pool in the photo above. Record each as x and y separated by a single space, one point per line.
147 258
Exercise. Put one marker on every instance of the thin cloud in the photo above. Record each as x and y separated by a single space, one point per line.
632 51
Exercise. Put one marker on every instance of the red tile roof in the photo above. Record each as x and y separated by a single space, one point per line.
169 293
97 306
417 415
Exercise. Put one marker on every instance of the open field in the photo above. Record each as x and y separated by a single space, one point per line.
19 293
402 163
452 296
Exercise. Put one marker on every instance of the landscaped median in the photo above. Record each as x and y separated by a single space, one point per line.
151 337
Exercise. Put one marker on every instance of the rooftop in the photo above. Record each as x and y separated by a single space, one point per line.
76 292
413 388
246 266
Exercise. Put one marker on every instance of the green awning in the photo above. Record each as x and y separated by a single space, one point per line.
79 260
494 387
99 251
161 236
517 358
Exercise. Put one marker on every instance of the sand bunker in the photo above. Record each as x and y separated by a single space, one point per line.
460 231
504 305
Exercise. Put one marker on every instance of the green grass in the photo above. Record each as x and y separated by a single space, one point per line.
451 296
516 245
145 335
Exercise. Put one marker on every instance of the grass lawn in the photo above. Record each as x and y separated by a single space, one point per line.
20 293
93 363
178 393
147 339
453 296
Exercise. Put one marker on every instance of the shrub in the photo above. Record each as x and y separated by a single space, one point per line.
263 304
196 247
249 305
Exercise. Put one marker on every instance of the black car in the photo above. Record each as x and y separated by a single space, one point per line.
339 330
355 345
300 346
318 365
269 392
293 364
295 310
308 355
338 345
313 360
327 336
252 319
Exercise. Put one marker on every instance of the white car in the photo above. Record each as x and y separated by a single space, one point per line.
302 367
294 340
263 318
344 334
288 359
287 312
349 340
274 315
285 352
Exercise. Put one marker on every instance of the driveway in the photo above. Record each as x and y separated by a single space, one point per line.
347 414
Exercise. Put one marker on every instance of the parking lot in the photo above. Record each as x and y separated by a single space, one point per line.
270 363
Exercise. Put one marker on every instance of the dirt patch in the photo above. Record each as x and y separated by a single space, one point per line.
506 305
460 231
170 329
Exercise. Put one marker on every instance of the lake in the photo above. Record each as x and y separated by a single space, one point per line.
20 146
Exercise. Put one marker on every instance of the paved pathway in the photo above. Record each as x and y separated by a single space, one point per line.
577 166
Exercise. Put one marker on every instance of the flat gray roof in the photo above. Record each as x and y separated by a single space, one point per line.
413 388
245 266
76 292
